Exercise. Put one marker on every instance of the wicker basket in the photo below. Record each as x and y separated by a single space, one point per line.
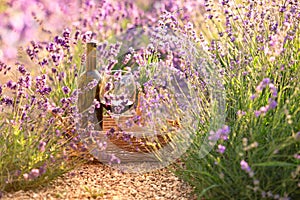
133 144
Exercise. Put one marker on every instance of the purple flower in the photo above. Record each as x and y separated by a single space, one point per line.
297 156
262 84
66 33
257 113
226 130
108 86
260 87
272 103
92 84
11 85
129 123
221 148
77 34
34 173
297 136
51 47
96 103
114 158
87 36
272 59
110 132
266 81
245 73
221 133
61 76
65 89
273 90
7 100
253 97
73 146
264 109
245 166
101 145
92 109
126 59
44 62
241 113
42 169
213 136
22 69
26 176
57 133
42 146
45 90
54 70
59 40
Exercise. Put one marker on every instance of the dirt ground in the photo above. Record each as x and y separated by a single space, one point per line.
97 181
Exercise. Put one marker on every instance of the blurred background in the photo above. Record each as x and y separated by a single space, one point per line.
24 20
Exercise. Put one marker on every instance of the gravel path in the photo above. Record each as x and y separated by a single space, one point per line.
98 181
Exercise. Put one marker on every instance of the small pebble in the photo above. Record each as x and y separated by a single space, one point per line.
104 182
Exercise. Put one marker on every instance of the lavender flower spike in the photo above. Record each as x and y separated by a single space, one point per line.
245 166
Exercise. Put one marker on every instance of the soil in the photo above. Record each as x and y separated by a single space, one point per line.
98 181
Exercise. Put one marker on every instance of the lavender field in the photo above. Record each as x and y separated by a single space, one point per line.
220 80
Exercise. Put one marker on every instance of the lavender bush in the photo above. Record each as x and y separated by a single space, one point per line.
32 138
38 94
257 154
37 114
254 47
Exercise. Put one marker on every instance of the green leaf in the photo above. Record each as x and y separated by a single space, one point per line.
274 164
206 189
